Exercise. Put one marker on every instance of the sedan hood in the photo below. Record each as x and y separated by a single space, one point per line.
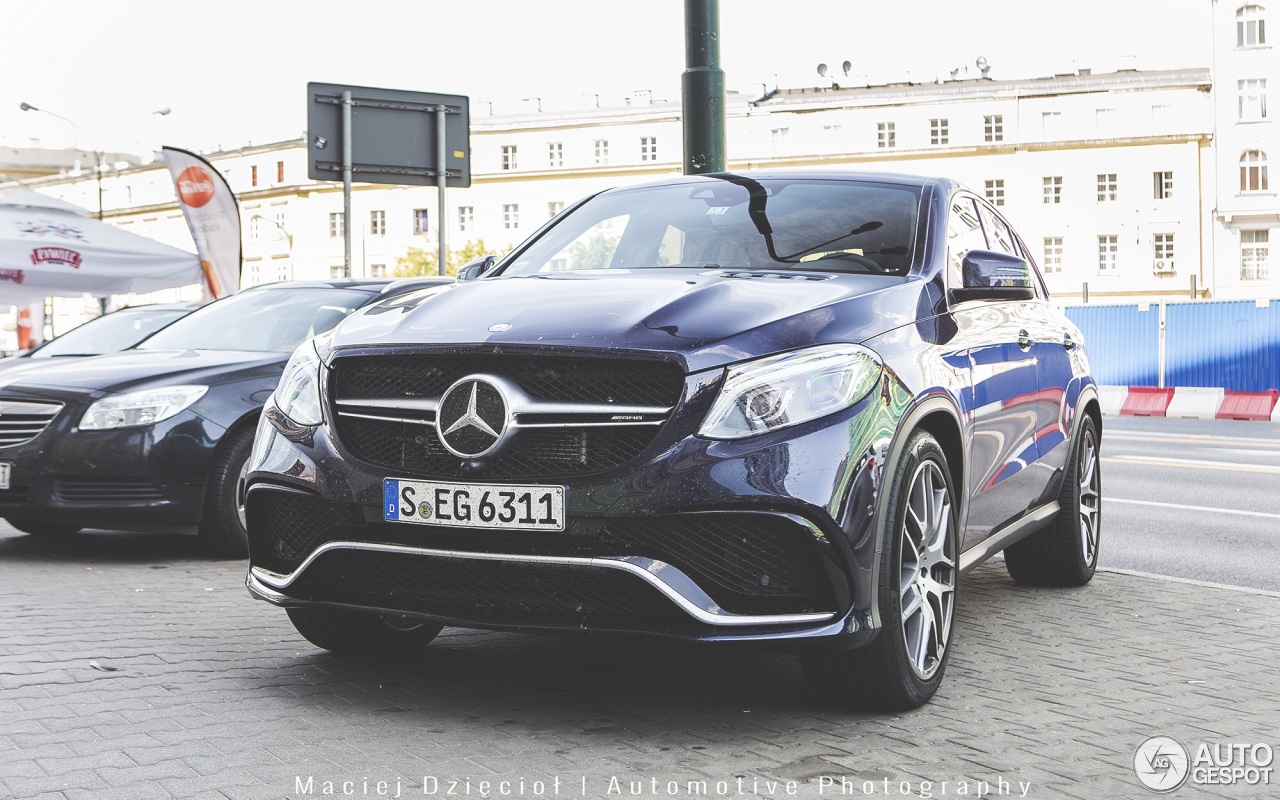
139 369
703 318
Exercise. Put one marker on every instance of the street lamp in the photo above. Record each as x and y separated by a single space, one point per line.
97 154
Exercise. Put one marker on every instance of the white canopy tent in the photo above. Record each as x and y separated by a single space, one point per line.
52 248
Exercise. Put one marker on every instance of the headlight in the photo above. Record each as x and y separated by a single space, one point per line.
298 395
139 408
788 389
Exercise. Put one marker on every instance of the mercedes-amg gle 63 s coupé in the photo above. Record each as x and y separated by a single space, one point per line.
789 408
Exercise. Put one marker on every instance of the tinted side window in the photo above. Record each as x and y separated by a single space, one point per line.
964 233
999 237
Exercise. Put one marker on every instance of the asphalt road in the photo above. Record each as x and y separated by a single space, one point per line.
1196 499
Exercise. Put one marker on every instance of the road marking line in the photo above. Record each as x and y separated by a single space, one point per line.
1263 514
1204 584
1193 439
1187 463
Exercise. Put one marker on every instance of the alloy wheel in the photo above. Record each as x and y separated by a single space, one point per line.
1090 498
928 570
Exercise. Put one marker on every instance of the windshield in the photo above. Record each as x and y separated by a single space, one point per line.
271 320
734 221
115 331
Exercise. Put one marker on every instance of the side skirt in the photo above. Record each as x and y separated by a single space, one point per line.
1006 536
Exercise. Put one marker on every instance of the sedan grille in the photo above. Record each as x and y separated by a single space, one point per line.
103 489
21 420
577 416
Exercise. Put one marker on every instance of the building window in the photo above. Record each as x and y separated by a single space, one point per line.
1255 255
1163 252
511 216
377 223
279 172
555 154
421 221
1051 124
377 270
939 131
1251 28
1162 185
466 217
335 225
253 175
831 129
554 207
1106 121
1253 171
1053 254
602 151
1053 190
1252 99
1106 187
886 135
508 156
255 232
993 127
1108 252
995 191
339 271
648 148
777 135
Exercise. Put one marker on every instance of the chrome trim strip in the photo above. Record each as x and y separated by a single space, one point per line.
619 424
1006 536
430 423
674 584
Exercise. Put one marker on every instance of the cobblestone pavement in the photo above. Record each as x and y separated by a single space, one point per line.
131 667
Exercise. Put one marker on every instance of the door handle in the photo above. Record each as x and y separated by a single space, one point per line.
1067 342
1024 340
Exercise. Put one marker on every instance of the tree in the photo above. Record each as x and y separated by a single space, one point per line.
417 261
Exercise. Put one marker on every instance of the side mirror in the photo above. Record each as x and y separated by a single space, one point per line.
989 275
474 269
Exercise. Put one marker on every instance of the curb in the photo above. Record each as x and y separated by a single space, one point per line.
1189 402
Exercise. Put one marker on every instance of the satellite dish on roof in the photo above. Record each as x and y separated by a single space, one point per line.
822 70
848 65
983 65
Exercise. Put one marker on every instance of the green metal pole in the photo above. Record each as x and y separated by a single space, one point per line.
702 88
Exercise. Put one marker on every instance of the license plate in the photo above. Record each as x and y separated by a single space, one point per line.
6 469
474 505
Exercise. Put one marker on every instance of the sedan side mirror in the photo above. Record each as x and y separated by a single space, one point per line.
474 269
989 275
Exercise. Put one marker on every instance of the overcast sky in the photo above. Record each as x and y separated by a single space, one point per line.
235 71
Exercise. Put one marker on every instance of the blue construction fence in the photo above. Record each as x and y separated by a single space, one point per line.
1233 344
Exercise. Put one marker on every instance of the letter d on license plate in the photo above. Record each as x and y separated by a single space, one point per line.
474 505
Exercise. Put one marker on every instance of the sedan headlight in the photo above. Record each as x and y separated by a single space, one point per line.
779 391
298 395
139 408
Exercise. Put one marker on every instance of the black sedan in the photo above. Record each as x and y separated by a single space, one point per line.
157 437
788 408
109 333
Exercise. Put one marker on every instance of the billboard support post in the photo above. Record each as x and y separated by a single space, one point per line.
442 115
346 182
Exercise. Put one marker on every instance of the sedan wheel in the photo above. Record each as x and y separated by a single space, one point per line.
224 528
903 666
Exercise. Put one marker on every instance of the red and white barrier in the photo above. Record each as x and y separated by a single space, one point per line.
1191 402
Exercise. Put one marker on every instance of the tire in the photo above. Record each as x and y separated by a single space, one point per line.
352 633
222 527
51 529
1065 552
903 666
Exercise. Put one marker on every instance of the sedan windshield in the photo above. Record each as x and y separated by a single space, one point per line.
270 320
732 222
116 331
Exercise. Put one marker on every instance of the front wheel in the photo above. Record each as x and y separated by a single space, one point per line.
1065 552
903 666
355 634
223 526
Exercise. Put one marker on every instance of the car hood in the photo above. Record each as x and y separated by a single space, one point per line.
140 369
702 318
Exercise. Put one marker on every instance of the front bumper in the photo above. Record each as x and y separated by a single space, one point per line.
765 540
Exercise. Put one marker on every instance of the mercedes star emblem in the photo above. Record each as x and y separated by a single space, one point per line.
472 418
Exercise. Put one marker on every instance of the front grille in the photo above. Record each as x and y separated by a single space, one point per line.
21 420
406 439
536 452
552 378
493 591
748 563
95 489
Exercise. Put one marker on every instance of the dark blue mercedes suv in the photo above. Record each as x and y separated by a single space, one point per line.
779 407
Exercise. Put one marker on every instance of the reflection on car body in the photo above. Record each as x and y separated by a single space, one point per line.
777 407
